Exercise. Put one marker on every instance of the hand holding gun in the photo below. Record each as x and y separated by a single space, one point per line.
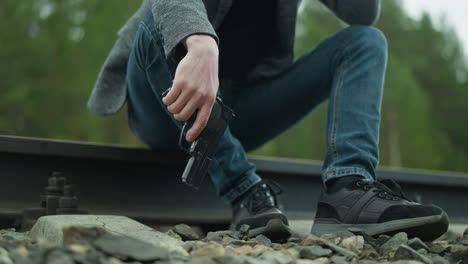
203 149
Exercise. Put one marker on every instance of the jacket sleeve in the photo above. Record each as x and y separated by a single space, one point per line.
178 19
363 12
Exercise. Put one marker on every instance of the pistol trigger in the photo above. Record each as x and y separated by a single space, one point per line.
183 144
166 92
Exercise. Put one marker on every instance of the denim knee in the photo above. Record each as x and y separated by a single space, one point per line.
370 38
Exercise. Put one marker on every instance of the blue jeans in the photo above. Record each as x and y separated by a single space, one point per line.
348 68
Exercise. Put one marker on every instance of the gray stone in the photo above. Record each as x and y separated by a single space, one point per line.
294 240
416 244
245 249
369 251
202 260
186 232
58 256
312 252
292 252
277 246
51 228
315 261
368 261
82 234
18 236
227 240
263 240
354 243
289 245
244 230
274 257
404 252
313 240
422 251
439 246
4 258
331 238
257 252
8 230
465 233
250 260
177 256
130 248
211 249
343 234
229 260
382 239
464 241
81 259
95 256
406 262
459 253
219 235
339 260
173 234
342 251
393 243
19 259
19 252
436 259
190 246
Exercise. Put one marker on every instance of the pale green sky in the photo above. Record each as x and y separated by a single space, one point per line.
456 12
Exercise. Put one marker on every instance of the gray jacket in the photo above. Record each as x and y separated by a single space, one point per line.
178 19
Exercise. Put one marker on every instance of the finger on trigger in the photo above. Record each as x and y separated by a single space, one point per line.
180 103
172 96
200 123
189 109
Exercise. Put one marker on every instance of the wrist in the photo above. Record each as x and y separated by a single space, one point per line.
197 42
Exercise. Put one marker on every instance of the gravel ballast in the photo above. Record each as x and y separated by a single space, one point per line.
227 247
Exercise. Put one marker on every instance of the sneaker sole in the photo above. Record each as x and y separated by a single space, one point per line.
427 228
275 230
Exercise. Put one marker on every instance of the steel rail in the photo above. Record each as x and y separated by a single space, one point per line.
145 184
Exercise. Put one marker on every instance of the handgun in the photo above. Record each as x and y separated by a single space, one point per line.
203 148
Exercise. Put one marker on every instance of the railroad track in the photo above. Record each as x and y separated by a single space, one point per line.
145 184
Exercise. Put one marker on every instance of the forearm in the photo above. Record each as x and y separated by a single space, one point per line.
364 12
178 19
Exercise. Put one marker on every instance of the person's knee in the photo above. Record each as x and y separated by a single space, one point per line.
373 39
369 39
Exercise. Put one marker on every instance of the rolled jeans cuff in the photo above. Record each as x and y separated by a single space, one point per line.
333 173
248 182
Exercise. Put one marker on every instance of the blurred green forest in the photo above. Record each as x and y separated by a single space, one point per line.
51 52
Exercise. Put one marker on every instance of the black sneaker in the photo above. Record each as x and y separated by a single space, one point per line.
377 208
259 208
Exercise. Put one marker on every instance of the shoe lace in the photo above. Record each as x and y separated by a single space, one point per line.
264 197
385 189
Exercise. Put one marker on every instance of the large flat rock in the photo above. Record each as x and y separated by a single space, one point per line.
50 228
